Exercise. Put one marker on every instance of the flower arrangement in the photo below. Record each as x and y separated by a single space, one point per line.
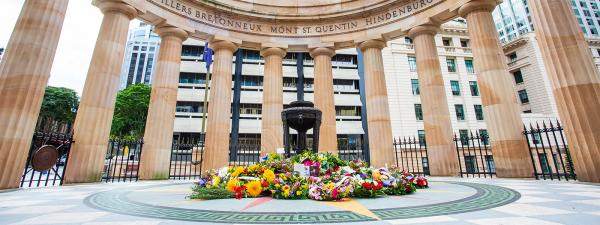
330 179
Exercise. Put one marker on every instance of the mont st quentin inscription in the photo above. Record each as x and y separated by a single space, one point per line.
281 29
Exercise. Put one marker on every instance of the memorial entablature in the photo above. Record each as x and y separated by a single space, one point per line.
296 24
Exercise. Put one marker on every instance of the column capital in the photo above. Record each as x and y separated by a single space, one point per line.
373 43
478 5
269 51
223 45
168 30
117 6
429 29
328 51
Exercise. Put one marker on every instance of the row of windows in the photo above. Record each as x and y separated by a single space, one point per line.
458 108
256 109
454 85
450 62
257 81
463 134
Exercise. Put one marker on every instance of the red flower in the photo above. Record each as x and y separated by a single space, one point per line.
367 186
265 183
422 182
239 192
334 193
378 186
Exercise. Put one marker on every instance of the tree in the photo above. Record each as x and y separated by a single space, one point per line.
131 109
58 109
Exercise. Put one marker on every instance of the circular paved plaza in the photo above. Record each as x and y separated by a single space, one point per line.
448 201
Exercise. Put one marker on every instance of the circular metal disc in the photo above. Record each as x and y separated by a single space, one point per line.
44 158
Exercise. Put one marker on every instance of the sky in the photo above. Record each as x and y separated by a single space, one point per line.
76 44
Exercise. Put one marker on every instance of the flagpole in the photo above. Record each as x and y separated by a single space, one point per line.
204 108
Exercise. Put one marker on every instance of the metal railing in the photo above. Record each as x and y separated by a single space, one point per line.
549 152
474 155
411 155
122 160
42 170
186 159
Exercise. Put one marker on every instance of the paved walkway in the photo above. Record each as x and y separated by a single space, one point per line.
448 201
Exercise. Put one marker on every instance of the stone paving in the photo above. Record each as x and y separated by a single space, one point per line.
448 201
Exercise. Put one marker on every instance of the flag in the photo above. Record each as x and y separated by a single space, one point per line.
207 55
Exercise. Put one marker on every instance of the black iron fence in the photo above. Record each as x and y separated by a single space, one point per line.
549 151
122 160
47 159
474 155
186 159
245 152
411 155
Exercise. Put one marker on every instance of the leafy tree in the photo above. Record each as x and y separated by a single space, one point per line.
131 109
58 109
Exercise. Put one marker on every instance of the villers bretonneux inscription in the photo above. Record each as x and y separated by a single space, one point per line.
281 29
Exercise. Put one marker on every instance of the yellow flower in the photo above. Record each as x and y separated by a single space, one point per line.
233 184
298 193
238 170
277 185
216 180
329 186
286 191
376 175
269 175
254 167
254 188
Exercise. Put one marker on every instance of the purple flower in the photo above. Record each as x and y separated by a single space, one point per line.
202 182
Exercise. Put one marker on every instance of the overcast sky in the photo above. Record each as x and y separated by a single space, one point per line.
76 44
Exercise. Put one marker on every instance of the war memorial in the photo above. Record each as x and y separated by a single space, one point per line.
299 182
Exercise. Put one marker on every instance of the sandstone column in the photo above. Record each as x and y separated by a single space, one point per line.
94 116
575 81
378 110
216 151
271 137
498 93
158 136
24 73
436 115
324 99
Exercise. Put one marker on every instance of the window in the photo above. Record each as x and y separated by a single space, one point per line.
451 65
464 43
544 163
347 111
518 77
455 87
537 138
523 97
470 164
489 163
474 88
412 63
415 87
421 137
418 112
485 137
460 111
478 112
527 111
425 163
253 109
469 65
464 137
447 42
408 41
512 57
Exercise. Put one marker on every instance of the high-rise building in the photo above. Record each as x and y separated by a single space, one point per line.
462 89
516 31
140 55
513 18
346 88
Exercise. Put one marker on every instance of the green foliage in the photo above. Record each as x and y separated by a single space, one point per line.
131 109
58 108
200 192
